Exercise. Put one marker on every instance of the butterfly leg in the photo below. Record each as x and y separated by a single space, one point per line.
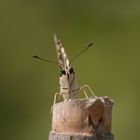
54 100
86 86
85 93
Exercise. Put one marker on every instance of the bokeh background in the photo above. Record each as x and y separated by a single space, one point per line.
112 68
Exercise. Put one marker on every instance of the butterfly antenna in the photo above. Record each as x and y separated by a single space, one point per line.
81 52
49 61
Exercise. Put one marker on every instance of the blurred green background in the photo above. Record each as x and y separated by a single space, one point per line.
112 68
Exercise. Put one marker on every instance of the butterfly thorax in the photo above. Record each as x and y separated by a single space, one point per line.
68 84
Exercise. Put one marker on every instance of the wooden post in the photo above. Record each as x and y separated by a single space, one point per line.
82 119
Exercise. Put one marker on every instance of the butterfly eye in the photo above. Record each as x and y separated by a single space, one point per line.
63 72
71 70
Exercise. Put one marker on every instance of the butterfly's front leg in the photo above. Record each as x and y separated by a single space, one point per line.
85 94
84 87
55 99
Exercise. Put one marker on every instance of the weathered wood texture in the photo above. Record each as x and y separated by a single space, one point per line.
68 136
82 119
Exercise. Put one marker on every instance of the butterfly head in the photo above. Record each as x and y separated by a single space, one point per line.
66 71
